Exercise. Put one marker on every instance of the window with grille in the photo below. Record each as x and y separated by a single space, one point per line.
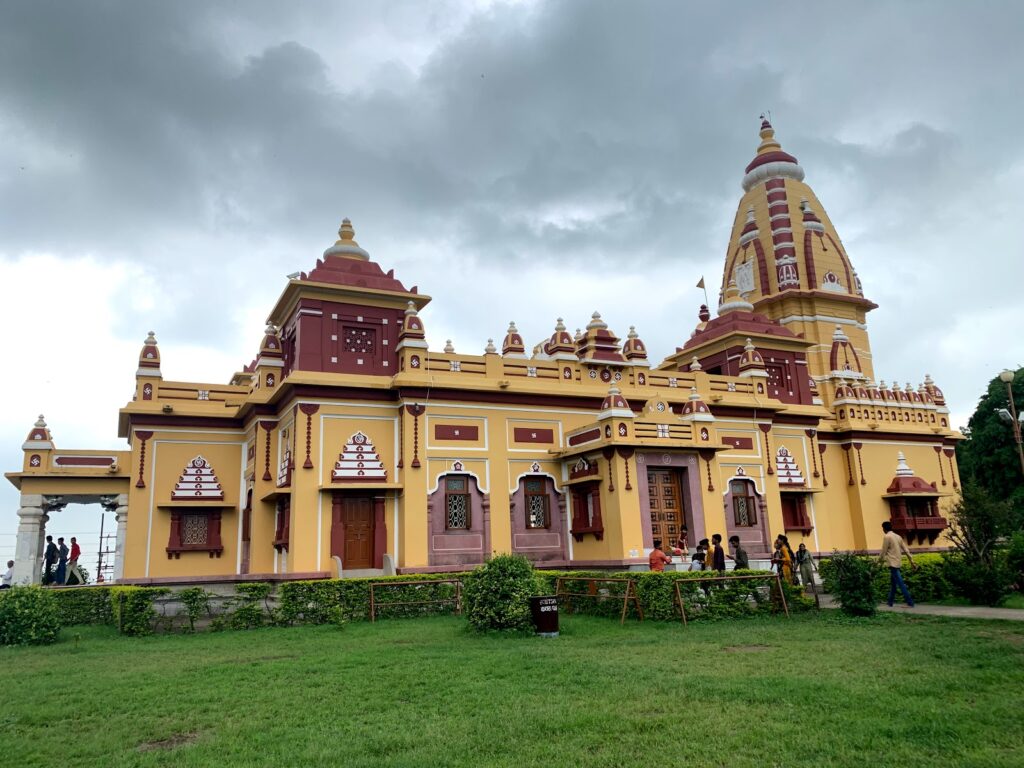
744 505
538 510
456 499
195 530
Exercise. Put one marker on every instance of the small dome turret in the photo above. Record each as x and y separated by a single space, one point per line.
149 358
560 343
513 345
634 348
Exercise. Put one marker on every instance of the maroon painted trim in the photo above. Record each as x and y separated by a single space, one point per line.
743 443
143 437
776 156
309 409
514 398
415 411
159 420
455 432
609 453
83 461
527 435
584 437
267 426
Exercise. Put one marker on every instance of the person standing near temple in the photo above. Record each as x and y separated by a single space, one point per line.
49 560
718 555
62 561
893 549
76 552
8 578
658 559
805 565
739 554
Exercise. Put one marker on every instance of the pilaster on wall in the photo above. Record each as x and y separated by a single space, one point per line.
623 530
413 530
500 480
28 551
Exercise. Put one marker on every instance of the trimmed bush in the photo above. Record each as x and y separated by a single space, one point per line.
854 583
252 610
702 600
133 609
197 602
498 595
336 601
84 605
28 616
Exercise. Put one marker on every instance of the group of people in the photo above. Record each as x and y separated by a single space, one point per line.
795 567
59 562
709 556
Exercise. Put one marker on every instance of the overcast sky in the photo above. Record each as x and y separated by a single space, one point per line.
164 165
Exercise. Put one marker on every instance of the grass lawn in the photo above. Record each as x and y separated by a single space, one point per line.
817 690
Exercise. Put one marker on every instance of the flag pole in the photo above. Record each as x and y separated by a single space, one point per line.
701 285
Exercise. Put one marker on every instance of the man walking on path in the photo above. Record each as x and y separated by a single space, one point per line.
893 548
49 560
62 561
739 554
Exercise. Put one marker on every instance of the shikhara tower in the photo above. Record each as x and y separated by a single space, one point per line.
347 446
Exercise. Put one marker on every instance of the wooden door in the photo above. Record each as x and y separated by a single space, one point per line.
354 521
667 515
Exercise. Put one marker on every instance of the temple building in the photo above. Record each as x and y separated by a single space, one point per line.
349 447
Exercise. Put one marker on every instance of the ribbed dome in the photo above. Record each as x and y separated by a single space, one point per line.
782 239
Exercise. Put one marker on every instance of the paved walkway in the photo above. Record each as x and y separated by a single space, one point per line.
956 611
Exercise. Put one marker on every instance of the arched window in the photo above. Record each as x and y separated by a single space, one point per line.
744 505
538 505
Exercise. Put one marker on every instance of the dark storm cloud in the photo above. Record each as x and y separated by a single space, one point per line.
212 142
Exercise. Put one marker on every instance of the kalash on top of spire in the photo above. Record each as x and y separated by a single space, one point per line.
784 255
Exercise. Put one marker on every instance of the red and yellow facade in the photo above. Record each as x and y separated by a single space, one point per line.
349 446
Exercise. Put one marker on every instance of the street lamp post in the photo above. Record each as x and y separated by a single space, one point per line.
1007 378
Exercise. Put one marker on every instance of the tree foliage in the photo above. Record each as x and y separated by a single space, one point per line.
978 521
989 454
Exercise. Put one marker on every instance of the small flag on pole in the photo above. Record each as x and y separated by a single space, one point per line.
701 283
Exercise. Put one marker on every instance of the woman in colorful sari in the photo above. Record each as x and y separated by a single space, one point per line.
782 561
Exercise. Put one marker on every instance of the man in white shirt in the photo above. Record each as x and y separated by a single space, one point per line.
893 549
8 578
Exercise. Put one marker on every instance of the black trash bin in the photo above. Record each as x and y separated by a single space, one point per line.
545 615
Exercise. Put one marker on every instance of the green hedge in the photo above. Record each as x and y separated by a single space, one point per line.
84 605
28 616
337 600
133 611
656 592
927 584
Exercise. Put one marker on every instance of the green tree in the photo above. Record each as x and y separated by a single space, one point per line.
989 454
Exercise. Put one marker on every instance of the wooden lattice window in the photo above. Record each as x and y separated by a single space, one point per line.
538 505
456 503
195 531
744 504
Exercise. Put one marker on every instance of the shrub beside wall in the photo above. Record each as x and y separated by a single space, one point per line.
703 600
84 605
133 611
28 616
